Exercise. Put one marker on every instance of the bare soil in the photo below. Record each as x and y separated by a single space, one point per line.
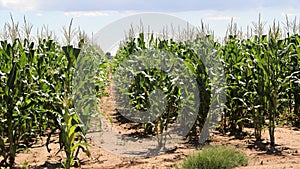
285 155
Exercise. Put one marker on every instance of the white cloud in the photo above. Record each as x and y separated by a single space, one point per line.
219 16
87 13
290 14
20 5
39 14
222 18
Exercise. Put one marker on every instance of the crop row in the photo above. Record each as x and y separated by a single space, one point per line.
42 92
261 83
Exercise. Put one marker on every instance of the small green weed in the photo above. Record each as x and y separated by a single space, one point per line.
215 157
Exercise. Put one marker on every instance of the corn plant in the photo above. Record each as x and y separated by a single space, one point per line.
261 75
36 96
291 74
71 130
21 112
71 127
151 79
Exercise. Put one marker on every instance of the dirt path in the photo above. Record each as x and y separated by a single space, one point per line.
38 157
287 139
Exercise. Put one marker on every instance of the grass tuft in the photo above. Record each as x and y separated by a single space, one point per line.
215 157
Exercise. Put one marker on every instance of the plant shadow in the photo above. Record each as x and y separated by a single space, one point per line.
49 165
266 148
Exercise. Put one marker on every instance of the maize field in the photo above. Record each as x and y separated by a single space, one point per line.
37 81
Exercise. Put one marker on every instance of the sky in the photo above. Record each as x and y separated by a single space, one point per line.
92 15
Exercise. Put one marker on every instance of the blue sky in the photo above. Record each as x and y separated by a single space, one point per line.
92 15
142 5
